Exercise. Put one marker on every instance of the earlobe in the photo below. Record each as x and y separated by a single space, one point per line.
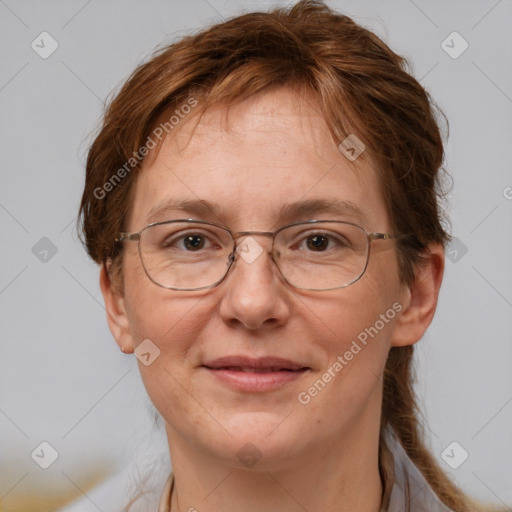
116 313
419 299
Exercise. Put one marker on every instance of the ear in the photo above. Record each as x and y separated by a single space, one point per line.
419 299
116 313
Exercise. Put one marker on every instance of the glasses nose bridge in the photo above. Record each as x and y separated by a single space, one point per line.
238 234
241 234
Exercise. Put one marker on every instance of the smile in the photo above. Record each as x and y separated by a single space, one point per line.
255 379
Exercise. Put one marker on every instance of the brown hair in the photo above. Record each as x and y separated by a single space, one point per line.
363 87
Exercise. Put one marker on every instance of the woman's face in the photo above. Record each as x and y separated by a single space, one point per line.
274 151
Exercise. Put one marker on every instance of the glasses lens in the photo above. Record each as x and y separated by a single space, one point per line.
321 255
185 255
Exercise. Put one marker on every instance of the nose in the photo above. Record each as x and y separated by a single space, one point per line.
254 292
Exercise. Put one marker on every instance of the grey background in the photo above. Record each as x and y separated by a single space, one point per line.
63 379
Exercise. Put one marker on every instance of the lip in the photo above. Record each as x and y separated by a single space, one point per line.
255 374
254 363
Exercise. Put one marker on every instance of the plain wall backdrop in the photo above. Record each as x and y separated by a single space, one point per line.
63 380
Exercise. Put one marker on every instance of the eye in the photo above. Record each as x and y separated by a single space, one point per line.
317 242
189 242
194 242
323 241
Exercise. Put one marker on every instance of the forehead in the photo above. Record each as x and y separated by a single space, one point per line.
251 163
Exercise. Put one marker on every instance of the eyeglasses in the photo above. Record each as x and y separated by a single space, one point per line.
317 255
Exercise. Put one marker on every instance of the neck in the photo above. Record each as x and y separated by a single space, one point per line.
339 478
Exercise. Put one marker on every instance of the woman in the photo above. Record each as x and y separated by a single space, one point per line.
263 201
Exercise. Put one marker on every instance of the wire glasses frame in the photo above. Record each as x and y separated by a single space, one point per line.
369 237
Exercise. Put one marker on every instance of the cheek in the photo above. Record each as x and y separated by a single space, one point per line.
173 325
354 330
358 332
153 312
350 313
170 320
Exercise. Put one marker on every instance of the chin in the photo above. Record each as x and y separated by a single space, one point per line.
262 441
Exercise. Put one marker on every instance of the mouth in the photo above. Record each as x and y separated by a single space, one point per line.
254 364
255 375
246 369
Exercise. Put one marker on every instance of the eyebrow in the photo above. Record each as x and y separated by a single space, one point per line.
310 207
288 212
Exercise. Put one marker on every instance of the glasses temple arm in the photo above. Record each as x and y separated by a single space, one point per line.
127 237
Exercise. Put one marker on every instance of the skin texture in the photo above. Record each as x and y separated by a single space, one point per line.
272 149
